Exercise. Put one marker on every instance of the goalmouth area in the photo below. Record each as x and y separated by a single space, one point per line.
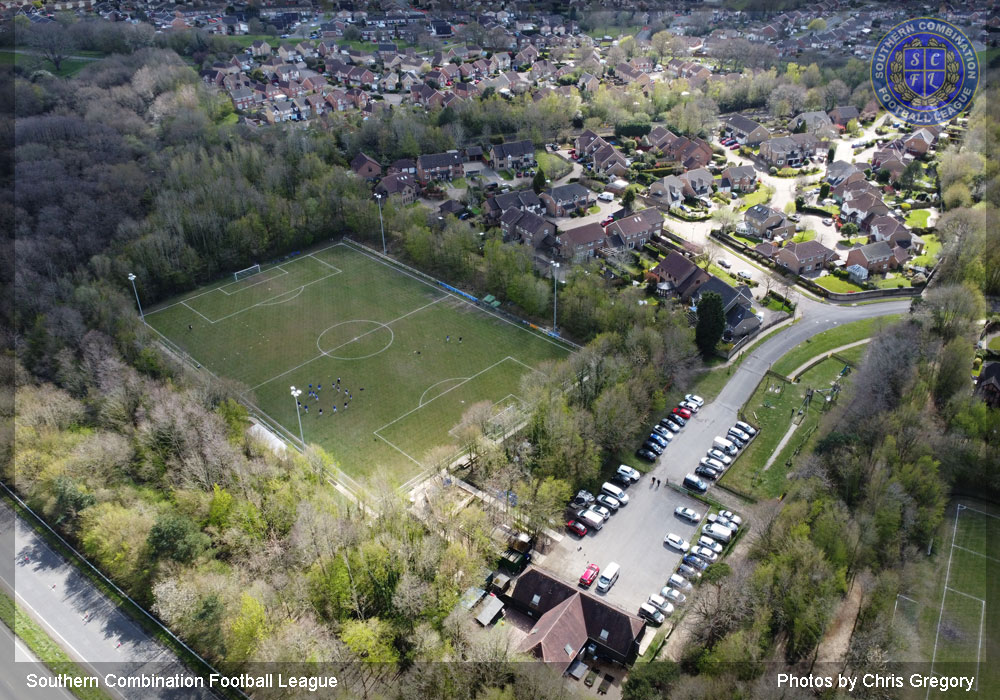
411 356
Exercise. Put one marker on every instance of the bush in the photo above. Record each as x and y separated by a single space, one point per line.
772 170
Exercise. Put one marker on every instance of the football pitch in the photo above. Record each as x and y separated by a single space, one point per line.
956 616
410 356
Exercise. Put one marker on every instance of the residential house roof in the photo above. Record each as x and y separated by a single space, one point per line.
583 235
635 223
359 161
876 251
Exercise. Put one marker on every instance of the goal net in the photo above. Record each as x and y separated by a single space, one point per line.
242 274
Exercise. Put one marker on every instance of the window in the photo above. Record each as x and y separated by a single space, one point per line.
604 635
535 600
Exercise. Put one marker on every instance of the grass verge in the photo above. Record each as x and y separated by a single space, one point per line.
828 340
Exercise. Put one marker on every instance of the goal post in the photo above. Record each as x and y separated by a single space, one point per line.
242 274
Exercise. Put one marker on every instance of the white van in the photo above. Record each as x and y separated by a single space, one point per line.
725 445
591 519
717 532
608 577
606 197
614 492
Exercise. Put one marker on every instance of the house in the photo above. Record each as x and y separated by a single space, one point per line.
690 153
842 115
243 99
988 384
526 227
587 142
670 189
610 161
403 165
525 200
571 623
766 249
439 166
563 200
873 257
659 138
788 151
360 76
764 222
588 82
678 276
738 179
259 49
423 94
888 229
402 187
920 141
840 171
634 230
812 121
518 155
698 182
862 208
746 131
580 243
808 256
737 304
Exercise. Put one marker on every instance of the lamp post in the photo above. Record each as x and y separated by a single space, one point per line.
296 393
378 198
555 296
131 278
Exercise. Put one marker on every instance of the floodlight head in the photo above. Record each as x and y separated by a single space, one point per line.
131 277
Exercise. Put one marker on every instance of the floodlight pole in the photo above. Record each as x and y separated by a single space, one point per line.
378 198
131 278
296 393
555 296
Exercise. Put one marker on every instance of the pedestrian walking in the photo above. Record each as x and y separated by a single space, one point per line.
334 408
345 405
190 327
459 340
447 339
321 411
306 407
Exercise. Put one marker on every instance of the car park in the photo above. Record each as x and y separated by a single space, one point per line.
689 572
713 463
609 502
720 456
608 577
653 447
746 428
670 425
576 528
695 562
643 453
678 583
695 399
707 472
705 553
731 517
710 543
685 513
629 473
673 596
651 614
661 604
676 542
691 481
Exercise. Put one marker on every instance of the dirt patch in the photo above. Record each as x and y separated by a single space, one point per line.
837 639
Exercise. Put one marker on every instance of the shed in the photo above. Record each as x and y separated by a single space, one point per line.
491 609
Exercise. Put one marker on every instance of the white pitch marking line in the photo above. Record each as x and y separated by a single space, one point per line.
981 512
979 648
449 379
396 447
955 590
978 554
191 308
324 262
944 593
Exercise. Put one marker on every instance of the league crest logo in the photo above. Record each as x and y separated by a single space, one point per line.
925 71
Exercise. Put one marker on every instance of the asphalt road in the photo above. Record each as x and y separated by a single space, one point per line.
16 663
717 417
86 624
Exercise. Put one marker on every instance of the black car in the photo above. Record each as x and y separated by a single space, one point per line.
707 472
689 572
696 562
643 453
670 425
653 447
679 420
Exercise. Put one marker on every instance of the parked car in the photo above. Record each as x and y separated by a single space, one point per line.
695 562
794 217
606 197
705 553
659 439
582 498
694 408
676 542
695 399
689 572
651 614
719 455
653 447
744 275
725 264
608 577
828 222
615 492
663 432
589 575
740 434
629 473
746 428
678 583
731 517
707 472
609 502
643 453
710 543
670 425
661 604
735 439
607 221
605 513
719 520
694 483
713 463
682 412
688 514
576 528
672 595
734 147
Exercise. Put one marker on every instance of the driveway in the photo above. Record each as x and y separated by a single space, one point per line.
633 538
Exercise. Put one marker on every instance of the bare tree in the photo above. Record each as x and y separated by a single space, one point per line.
52 40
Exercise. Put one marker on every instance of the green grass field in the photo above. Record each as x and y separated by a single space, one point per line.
342 313
954 615
932 248
917 218
826 341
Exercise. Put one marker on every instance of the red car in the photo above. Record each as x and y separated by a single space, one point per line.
590 575
577 528
607 221
734 147
682 412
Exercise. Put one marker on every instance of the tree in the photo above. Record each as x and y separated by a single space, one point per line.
711 323
824 191
176 537
726 218
817 25
953 307
628 199
848 230
52 40
538 182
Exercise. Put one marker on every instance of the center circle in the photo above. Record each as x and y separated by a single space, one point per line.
354 340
